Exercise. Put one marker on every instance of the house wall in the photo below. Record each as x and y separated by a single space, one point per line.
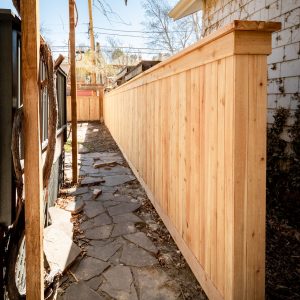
284 62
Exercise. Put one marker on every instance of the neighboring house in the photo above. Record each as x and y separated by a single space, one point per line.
283 63
126 59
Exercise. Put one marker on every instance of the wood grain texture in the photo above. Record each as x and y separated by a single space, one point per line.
195 136
73 91
89 108
32 153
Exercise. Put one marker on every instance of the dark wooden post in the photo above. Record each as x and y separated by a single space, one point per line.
73 92
92 40
33 165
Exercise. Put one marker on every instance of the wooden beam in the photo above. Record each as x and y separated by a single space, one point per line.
92 39
73 92
33 166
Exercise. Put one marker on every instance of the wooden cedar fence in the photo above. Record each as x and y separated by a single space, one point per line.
194 130
89 108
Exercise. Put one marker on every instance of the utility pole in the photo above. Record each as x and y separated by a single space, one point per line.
73 92
92 41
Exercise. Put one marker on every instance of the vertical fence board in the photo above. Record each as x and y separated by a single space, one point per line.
187 161
201 207
240 172
89 108
208 206
195 159
256 176
182 182
165 143
221 176
229 178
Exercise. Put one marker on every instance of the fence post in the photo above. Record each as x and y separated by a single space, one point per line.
33 166
73 92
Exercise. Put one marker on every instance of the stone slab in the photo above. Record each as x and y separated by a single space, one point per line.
91 180
101 164
110 203
123 228
100 220
78 191
75 207
102 243
94 155
137 257
123 208
141 240
94 283
125 198
59 249
109 156
101 232
86 162
109 189
104 252
81 173
117 294
116 170
106 196
119 277
115 259
128 217
80 290
93 209
117 179
89 170
86 197
59 215
155 284
96 193
88 268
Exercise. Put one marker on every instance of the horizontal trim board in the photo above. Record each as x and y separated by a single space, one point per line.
235 26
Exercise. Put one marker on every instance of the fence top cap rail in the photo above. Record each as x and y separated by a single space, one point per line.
255 25
236 25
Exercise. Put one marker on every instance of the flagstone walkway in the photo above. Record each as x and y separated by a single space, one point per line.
126 252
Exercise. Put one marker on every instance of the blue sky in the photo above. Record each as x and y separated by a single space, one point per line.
54 20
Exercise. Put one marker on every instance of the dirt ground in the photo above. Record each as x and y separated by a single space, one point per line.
282 258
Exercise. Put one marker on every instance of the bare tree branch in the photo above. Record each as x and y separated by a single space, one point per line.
167 34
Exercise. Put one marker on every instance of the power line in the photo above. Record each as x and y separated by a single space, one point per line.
123 30
110 47
126 35
136 31
106 33
130 52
